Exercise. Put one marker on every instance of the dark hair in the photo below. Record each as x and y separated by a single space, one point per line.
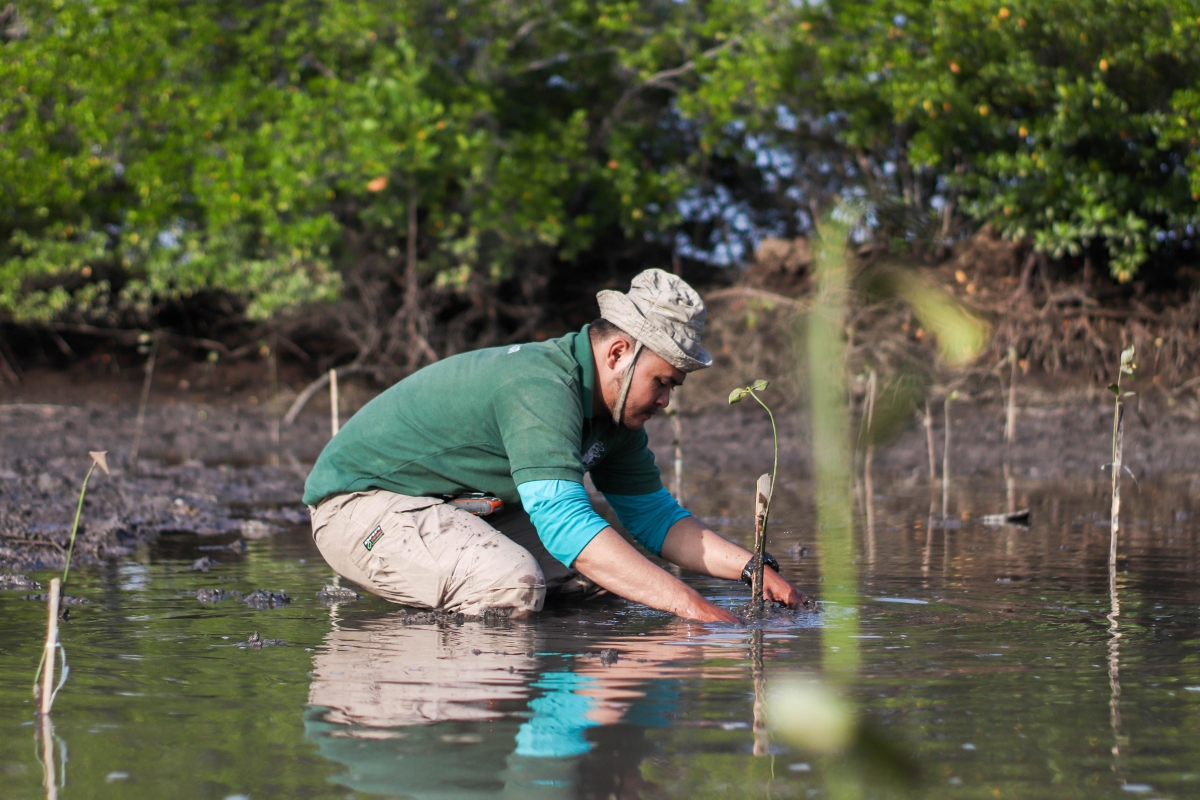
601 330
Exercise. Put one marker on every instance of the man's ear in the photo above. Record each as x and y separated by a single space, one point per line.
617 348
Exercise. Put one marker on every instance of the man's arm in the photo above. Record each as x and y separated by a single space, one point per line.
694 547
580 538
616 565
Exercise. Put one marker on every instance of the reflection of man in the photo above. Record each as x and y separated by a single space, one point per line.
428 712
524 423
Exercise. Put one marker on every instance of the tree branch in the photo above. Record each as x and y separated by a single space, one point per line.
657 79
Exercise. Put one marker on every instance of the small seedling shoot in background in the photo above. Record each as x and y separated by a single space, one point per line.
760 533
1127 367
99 459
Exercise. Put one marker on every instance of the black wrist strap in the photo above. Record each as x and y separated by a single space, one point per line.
748 570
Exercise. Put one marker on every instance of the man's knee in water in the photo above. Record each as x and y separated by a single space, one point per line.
521 588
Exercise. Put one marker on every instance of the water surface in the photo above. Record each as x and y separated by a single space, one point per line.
986 654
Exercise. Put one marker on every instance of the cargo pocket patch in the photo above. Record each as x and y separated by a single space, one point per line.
374 537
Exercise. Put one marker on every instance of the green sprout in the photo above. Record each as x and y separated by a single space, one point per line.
99 459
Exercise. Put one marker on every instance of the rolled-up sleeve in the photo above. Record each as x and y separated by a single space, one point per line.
562 515
647 517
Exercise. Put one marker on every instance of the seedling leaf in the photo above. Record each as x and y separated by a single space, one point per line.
1126 370
759 385
1116 390
101 459
736 395
1127 356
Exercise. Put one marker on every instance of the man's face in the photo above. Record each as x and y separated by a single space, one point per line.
650 391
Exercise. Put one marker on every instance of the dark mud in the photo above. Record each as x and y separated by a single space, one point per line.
256 642
230 471
337 594
1052 441
43 458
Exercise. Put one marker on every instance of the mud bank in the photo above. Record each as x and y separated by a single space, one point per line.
1052 441
233 473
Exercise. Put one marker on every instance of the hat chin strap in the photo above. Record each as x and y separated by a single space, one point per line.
619 408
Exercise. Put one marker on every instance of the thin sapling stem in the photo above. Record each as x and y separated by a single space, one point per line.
99 459
1010 416
1127 367
774 465
760 532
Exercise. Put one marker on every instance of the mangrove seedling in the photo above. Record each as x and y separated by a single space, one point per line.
57 586
1127 367
99 459
760 532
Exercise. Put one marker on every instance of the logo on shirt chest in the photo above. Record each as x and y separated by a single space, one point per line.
594 454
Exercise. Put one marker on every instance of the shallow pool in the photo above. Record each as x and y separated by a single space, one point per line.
985 653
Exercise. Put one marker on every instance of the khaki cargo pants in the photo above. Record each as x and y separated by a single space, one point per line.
420 551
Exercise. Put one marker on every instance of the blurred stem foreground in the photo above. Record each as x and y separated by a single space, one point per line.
831 465
831 454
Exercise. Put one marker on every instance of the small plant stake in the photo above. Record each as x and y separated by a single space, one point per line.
334 415
927 421
1127 368
762 497
46 699
1010 415
677 443
946 456
147 343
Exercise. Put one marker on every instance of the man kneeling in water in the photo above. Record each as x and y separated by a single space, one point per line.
524 423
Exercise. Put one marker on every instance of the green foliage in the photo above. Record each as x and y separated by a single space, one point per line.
1071 124
151 151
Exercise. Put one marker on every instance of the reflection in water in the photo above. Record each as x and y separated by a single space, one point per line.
1114 610
395 704
50 779
762 740
1114 662
479 712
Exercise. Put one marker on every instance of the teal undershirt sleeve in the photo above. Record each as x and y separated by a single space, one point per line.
565 521
563 516
647 517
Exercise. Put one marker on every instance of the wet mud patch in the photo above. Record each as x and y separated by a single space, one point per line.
263 600
256 642
337 594
12 581
128 509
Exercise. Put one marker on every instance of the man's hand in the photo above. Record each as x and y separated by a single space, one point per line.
613 563
694 547
776 589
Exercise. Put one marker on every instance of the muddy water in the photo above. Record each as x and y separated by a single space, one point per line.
985 653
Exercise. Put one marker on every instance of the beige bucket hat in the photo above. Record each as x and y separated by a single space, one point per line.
662 313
